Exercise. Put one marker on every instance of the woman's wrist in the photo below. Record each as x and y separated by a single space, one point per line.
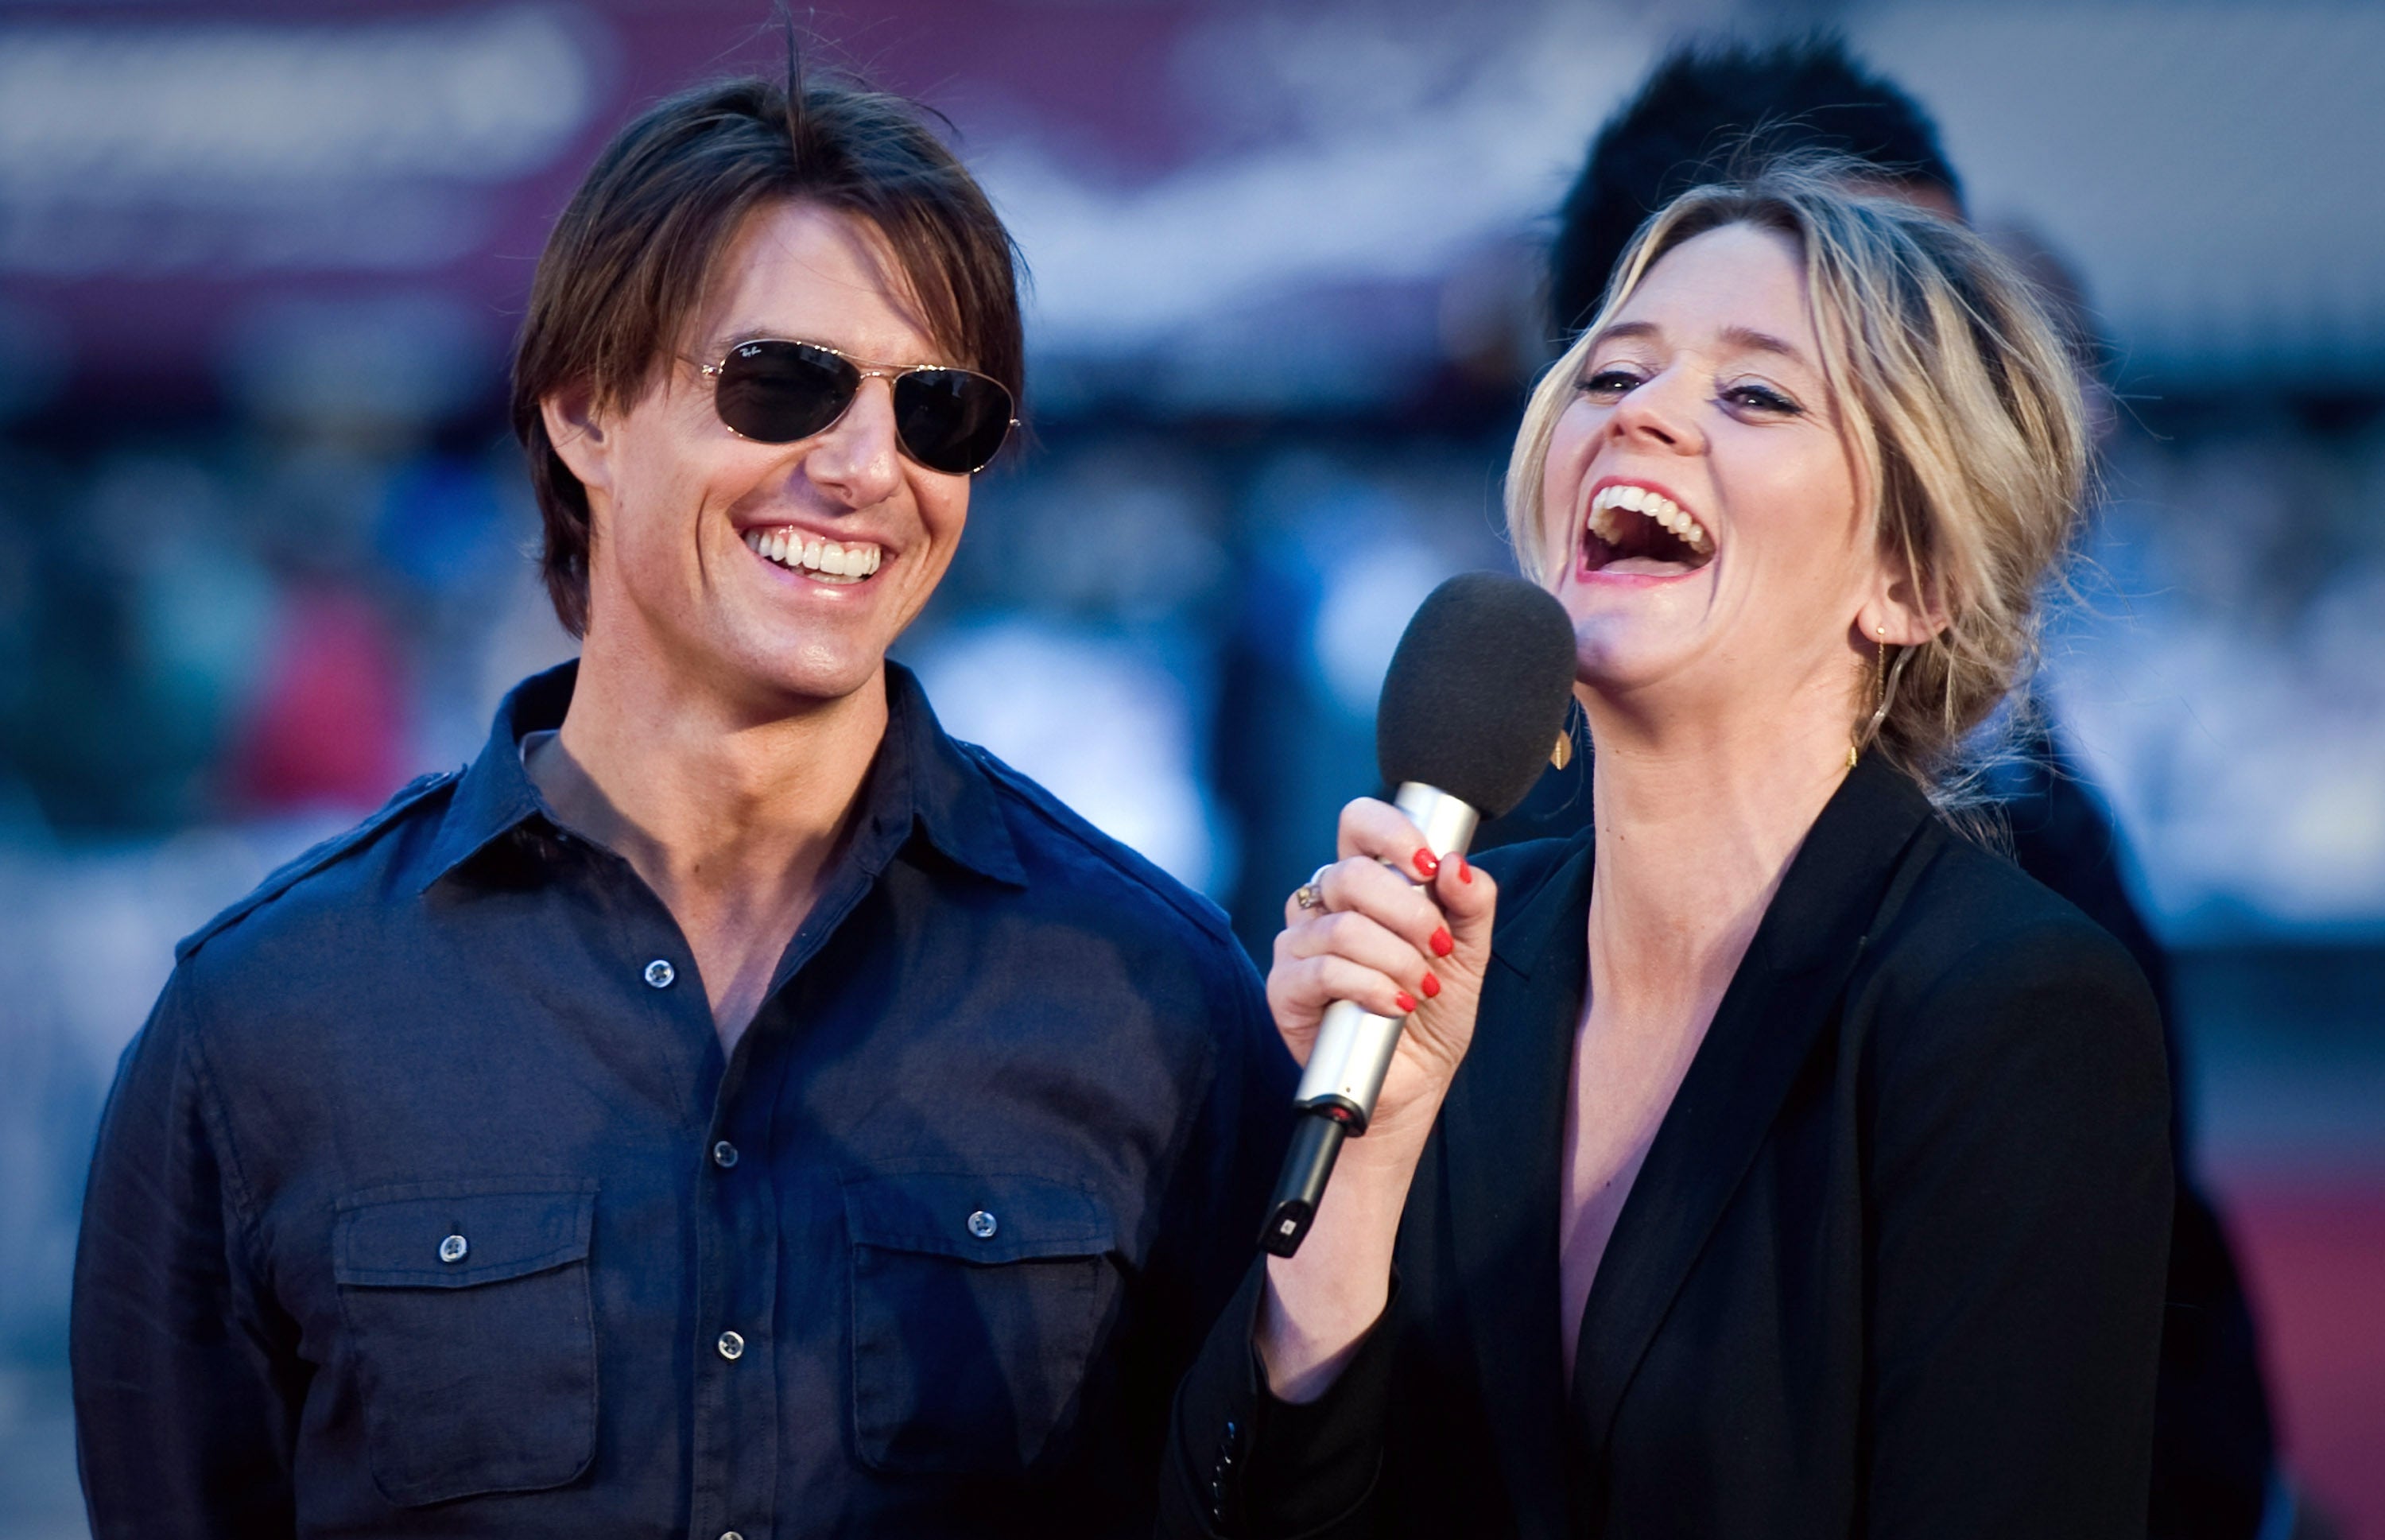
1304 1347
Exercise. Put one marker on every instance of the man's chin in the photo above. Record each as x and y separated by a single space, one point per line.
822 657
806 683
765 663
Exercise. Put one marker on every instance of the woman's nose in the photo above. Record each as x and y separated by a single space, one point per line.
1660 411
855 457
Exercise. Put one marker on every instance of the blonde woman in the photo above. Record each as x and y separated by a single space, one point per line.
1776 1161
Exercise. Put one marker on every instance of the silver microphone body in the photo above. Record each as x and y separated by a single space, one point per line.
1353 1046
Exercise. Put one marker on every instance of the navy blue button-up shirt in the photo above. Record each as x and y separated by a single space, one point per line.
427 1203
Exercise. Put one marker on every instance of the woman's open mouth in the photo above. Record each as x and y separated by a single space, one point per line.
1637 532
830 561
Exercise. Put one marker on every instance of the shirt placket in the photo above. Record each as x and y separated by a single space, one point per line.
734 1370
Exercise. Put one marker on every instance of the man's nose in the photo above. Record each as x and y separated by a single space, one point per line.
856 456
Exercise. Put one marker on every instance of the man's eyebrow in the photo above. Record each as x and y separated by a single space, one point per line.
729 342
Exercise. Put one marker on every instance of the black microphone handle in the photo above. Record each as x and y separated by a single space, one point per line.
1316 1143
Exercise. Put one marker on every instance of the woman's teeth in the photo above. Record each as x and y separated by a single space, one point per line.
1607 509
828 560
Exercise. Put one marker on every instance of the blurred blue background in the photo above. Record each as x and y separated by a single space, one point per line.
262 535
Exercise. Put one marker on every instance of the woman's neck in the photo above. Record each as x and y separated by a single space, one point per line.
1697 818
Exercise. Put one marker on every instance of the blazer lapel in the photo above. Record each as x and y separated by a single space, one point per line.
1501 1132
1785 991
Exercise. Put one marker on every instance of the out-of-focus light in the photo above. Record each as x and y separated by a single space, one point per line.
107 113
175 147
1368 601
393 357
1105 730
1402 153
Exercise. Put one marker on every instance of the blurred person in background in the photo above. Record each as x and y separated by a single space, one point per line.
1700 112
729 1106
1807 1172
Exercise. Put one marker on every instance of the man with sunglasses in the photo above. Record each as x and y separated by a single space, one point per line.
729 1107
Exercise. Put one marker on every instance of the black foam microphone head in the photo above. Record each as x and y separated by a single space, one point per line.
1476 695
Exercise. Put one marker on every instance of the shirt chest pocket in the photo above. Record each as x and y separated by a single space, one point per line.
472 1332
977 1301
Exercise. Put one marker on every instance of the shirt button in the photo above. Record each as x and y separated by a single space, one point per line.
724 1155
731 1534
731 1346
453 1249
981 1224
661 974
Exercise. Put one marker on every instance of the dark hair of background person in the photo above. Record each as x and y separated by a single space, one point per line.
625 268
1807 94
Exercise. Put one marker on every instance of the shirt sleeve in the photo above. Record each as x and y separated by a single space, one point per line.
184 1414
2021 1189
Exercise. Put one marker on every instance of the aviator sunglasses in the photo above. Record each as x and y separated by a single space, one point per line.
776 392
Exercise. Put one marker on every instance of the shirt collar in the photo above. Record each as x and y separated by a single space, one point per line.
921 780
924 779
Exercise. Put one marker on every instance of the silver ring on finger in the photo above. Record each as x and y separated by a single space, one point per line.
1310 894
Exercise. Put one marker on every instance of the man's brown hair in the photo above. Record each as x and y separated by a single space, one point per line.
625 269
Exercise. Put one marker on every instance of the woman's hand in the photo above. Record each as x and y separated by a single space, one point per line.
1396 948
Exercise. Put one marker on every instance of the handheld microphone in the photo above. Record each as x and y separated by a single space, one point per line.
1474 699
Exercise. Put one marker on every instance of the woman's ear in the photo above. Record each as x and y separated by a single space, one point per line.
1903 613
580 433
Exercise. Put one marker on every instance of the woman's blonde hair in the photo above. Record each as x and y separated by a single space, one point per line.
1959 398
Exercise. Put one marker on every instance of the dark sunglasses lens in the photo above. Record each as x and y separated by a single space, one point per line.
778 391
950 419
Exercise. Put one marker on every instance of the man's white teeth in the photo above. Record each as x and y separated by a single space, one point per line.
828 559
1606 508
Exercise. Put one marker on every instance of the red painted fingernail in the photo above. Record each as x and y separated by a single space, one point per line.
1407 1002
1465 872
1425 862
1432 984
1442 945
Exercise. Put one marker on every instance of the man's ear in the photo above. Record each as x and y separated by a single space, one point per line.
580 434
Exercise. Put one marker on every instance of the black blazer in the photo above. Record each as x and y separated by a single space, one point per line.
1894 1265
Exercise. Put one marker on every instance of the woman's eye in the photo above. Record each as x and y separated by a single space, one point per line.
1760 398
1609 384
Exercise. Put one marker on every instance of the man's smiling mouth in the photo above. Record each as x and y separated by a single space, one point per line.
831 561
1636 530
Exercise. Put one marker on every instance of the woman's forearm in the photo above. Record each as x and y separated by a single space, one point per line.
1321 1303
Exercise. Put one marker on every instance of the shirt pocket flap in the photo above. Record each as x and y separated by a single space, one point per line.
973 1215
454 1235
